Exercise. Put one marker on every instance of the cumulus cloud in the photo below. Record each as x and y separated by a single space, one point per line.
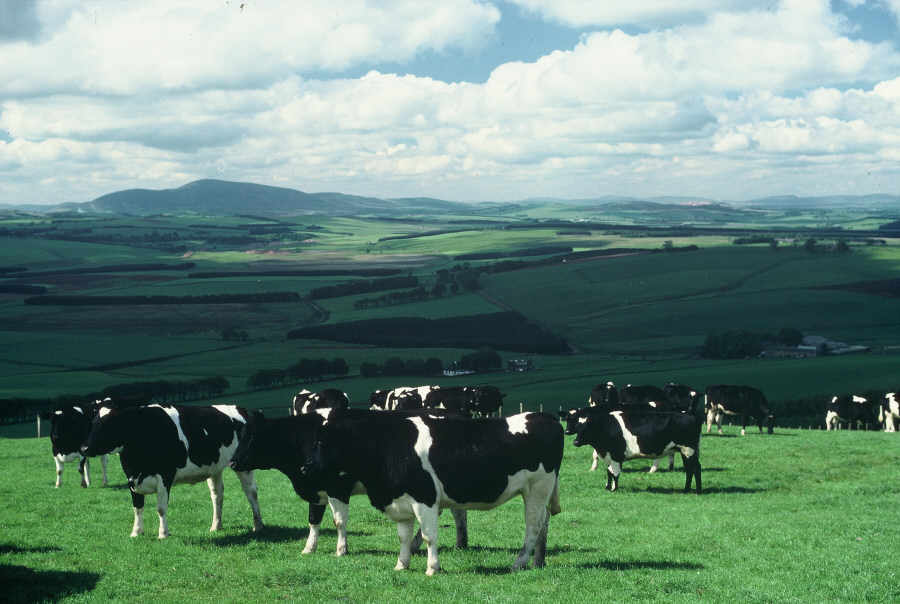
728 106
585 13
122 48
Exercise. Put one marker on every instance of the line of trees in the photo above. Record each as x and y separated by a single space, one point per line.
17 410
396 366
351 288
304 370
740 343
73 300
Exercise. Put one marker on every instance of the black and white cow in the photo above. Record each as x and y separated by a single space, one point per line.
160 446
411 467
69 428
486 400
286 444
850 409
652 396
330 398
889 412
455 398
604 395
682 397
622 435
745 401
403 397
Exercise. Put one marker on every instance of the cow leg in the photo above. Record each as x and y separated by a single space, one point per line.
595 460
59 471
405 533
216 493
104 459
691 461
84 468
428 524
137 502
710 418
248 484
719 416
340 511
535 519
316 512
162 507
540 548
462 527
612 475
671 460
655 466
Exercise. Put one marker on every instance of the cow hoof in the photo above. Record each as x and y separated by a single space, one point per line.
135 534
433 571
652 470
341 552
401 566
258 526
308 550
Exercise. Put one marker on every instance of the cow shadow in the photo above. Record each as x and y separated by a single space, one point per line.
706 490
271 533
8 548
678 469
628 565
23 584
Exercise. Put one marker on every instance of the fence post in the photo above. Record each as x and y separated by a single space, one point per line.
39 425
521 407
541 407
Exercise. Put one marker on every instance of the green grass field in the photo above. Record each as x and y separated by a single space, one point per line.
799 516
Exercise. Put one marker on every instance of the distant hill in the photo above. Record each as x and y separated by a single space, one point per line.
793 202
225 197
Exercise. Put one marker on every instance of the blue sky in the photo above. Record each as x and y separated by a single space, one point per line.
460 99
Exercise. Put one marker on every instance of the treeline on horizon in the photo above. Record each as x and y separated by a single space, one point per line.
75 300
129 394
502 330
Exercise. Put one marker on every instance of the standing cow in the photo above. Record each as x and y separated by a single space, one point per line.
286 443
162 445
330 398
850 409
411 467
889 412
69 428
622 435
744 401
604 395
400 398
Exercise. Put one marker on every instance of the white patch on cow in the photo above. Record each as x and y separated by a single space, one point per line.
79 410
834 399
652 404
860 399
205 433
104 411
631 444
172 412
231 411
831 420
693 394
582 420
610 384
518 424
57 413
68 456
325 412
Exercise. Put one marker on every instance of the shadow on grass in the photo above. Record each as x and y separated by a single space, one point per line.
23 584
640 565
7 548
677 469
706 490
270 534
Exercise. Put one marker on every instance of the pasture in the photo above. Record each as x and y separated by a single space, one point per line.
797 516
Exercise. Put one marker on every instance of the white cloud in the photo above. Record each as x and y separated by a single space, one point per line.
586 13
112 47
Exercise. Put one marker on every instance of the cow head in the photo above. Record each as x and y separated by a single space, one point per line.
378 399
107 431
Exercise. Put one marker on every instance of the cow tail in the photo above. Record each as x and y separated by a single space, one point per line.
554 506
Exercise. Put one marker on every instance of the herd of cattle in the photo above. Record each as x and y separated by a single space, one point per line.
415 451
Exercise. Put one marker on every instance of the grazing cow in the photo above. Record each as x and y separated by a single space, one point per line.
745 401
459 399
889 412
850 409
622 435
69 428
403 397
486 400
652 396
165 445
285 444
604 395
411 467
330 398
682 397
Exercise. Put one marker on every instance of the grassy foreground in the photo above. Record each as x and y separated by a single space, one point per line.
798 516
